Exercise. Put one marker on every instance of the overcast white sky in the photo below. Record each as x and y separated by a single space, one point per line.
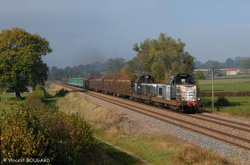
86 31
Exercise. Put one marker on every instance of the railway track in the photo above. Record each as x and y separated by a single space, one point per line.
228 131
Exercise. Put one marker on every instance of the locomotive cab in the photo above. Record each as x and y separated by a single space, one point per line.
180 86
139 83
183 89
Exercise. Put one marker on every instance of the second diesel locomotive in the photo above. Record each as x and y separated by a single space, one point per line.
178 93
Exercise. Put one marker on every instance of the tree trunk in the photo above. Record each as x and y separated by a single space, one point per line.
18 95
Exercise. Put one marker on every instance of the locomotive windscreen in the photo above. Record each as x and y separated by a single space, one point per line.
181 79
144 79
184 80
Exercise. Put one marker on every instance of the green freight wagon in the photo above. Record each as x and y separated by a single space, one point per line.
76 81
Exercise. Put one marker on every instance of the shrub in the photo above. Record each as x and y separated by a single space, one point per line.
34 101
22 136
44 132
73 137
224 93
222 101
36 98
61 93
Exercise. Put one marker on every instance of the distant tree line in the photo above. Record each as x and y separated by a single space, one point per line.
238 62
89 70
161 58
110 68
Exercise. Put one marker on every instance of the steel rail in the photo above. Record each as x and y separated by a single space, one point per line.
119 103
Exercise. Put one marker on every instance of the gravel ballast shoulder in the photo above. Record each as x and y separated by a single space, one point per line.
166 129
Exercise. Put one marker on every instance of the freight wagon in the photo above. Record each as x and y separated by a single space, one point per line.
178 93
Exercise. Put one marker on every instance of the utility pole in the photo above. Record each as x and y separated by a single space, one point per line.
212 89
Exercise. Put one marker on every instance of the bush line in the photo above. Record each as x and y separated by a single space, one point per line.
224 93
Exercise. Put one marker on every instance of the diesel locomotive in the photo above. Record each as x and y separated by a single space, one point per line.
178 93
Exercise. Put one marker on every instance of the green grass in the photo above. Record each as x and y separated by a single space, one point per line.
227 84
8 100
223 81
243 76
240 106
116 156
148 147
235 101
226 87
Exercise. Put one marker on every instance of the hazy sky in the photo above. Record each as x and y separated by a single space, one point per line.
86 31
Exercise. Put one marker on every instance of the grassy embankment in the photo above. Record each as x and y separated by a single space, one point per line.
132 135
239 105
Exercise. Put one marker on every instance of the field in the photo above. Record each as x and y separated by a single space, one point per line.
225 84
239 106
6 100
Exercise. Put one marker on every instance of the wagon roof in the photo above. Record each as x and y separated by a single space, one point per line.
108 78
121 78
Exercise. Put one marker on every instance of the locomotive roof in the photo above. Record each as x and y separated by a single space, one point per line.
144 79
181 75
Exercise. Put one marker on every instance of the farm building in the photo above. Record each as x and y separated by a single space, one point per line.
232 71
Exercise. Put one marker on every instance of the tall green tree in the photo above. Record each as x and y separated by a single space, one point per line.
114 66
138 65
161 58
21 62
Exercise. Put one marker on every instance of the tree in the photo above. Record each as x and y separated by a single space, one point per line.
93 74
199 75
75 72
161 58
230 62
21 62
138 65
238 60
216 66
113 66
246 63
53 69
126 72
58 74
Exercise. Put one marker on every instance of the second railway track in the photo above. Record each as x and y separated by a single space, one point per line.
230 132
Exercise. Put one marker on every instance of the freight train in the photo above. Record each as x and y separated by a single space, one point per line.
178 93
